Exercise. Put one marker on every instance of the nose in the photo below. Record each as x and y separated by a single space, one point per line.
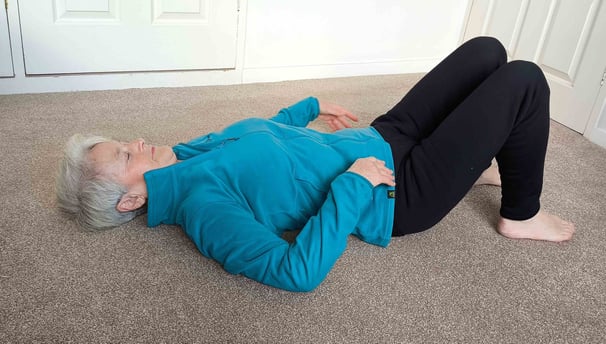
138 144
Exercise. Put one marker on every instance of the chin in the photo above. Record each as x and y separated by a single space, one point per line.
165 155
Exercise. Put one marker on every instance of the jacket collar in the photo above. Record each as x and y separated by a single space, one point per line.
163 195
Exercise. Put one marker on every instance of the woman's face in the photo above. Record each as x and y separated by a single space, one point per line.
127 162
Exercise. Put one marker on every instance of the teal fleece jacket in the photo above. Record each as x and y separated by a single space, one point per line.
235 193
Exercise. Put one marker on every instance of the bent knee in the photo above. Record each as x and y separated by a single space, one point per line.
528 73
526 68
488 47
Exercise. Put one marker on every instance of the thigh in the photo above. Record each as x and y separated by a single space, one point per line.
442 90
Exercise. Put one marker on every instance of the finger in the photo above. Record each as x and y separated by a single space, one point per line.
344 122
336 124
386 170
381 162
387 173
330 124
346 113
388 181
351 116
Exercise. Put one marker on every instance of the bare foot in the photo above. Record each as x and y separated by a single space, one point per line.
542 226
490 176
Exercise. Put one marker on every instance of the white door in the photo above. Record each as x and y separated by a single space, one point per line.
6 60
83 36
565 37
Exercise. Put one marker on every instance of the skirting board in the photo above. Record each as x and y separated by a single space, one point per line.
281 73
108 81
116 81
598 136
597 132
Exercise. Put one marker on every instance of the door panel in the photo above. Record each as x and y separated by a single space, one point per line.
6 59
173 12
83 36
82 12
566 41
564 37
505 20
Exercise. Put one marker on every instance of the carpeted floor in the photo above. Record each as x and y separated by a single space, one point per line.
459 282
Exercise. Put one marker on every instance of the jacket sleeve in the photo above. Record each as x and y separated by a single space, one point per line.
244 246
299 114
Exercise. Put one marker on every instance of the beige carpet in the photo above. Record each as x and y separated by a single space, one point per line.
459 282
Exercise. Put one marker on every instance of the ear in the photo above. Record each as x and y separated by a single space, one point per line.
130 202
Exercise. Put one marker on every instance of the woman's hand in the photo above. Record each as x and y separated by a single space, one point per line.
335 116
374 170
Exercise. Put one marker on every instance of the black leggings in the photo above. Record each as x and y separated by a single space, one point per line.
472 107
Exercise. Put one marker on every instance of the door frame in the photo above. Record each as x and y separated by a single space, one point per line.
8 69
593 131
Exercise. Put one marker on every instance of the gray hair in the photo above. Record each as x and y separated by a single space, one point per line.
84 192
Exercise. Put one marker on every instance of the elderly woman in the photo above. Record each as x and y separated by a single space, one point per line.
236 191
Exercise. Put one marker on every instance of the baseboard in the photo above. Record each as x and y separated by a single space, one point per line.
598 136
281 73
111 81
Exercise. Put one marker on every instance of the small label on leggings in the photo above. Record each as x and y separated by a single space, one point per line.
391 193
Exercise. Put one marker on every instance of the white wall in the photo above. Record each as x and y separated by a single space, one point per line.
285 40
319 38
